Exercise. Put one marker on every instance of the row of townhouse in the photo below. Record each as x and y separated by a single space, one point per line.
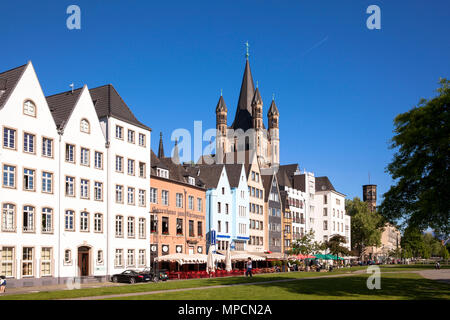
75 182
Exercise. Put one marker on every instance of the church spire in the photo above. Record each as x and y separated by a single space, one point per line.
161 147
176 155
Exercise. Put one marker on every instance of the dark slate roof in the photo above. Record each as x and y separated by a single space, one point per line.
300 182
156 163
290 169
324 184
273 110
267 184
109 103
283 179
257 97
221 105
243 117
234 174
62 104
8 81
210 174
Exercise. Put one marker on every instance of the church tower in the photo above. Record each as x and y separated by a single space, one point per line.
221 127
274 133
370 196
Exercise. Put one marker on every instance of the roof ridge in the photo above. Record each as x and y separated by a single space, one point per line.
9 70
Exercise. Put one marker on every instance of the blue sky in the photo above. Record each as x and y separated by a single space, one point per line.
338 85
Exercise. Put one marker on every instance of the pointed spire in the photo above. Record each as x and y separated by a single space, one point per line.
257 98
273 110
247 90
221 106
176 155
161 147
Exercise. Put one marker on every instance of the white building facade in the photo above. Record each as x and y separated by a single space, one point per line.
58 183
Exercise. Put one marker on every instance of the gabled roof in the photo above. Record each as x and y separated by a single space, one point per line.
61 106
283 179
210 174
290 169
324 184
108 103
234 174
243 117
267 183
8 81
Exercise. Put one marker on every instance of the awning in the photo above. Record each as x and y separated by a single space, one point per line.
242 256
183 258
301 257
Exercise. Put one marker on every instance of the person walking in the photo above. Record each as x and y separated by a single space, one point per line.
249 268
2 284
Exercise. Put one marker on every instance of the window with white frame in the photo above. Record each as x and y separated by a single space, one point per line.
84 126
47 181
9 138
119 132
84 221
142 139
162 173
199 204
100 257
325 225
130 228
192 181
141 227
131 167
130 257
29 108
142 170
98 191
130 195
9 176
130 136
142 257
47 220
118 261
179 200
98 222
84 157
141 198
69 217
153 195
191 202
119 164
46 262
67 256
28 179
165 197
98 159
70 186
28 219
119 226
70 153
27 261
28 142
84 188
119 193
47 147
7 262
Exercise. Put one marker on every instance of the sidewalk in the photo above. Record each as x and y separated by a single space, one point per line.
58 287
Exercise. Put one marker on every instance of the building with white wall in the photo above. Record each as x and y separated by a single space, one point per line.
60 214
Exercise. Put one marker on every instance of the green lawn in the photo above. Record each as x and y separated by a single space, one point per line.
63 294
396 286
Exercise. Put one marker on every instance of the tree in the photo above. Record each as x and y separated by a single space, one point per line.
366 226
444 253
420 196
306 245
413 243
335 247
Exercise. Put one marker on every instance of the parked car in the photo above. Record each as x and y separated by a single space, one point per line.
131 276
159 275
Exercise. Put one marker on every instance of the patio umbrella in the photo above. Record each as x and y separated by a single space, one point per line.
228 260
210 265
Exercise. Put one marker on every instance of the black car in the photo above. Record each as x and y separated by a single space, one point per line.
156 276
131 276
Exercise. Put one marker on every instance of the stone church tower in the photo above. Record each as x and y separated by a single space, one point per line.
370 196
248 131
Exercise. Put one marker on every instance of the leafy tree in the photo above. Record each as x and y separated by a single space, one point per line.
335 247
444 253
306 245
413 242
366 226
420 196
432 245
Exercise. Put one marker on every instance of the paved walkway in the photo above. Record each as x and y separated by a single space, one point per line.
438 275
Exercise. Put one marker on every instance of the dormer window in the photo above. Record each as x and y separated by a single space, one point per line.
84 126
192 181
162 173
29 108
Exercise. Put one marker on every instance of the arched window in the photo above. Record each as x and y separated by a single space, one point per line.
84 126
29 108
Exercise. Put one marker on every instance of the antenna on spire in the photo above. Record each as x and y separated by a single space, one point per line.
221 92
369 177
71 85
247 54
273 96
257 83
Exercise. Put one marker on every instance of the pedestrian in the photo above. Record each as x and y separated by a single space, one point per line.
437 266
2 284
249 268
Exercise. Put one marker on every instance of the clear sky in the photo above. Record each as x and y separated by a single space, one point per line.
338 85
